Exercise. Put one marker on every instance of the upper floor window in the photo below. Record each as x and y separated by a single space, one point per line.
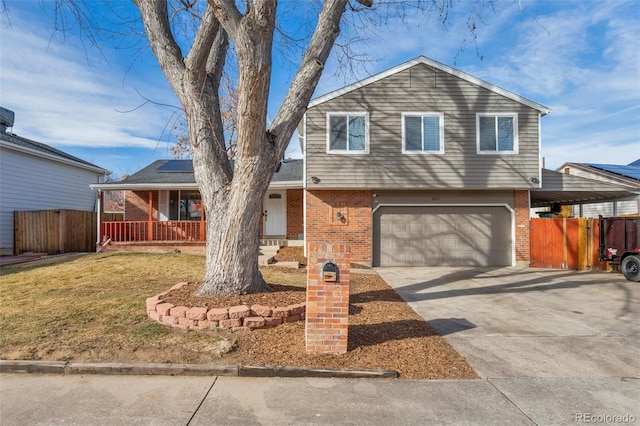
423 132
497 133
348 133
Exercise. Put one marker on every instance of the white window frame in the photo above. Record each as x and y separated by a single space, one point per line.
423 151
347 150
496 115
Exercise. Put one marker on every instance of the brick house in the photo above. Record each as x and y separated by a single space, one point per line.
421 164
162 207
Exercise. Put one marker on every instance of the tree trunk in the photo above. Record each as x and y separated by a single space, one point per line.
232 203
233 243
232 196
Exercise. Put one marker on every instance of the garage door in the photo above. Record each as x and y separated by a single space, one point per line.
442 236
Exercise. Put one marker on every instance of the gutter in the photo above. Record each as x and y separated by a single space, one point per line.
160 186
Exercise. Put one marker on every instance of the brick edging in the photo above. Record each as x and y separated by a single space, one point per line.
234 318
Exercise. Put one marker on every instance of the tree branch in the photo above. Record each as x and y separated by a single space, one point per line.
156 23
228 15
304 83
197 58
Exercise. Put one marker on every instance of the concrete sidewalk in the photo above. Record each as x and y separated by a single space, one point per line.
160 400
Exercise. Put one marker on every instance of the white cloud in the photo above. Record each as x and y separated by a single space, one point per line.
581 59
64 98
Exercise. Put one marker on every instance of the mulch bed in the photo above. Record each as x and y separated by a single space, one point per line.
384 333
282 295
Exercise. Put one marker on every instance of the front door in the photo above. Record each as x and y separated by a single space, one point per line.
275 214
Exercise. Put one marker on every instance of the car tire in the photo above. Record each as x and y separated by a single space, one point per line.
630 267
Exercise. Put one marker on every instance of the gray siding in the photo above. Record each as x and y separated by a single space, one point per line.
422 89
34 183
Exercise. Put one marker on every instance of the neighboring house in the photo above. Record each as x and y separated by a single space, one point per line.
624 175
162 205
35 176
419 165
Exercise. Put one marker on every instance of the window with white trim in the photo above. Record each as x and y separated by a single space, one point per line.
497 133
348 133
422 133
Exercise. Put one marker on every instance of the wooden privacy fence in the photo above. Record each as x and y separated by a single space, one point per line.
566 243
54 231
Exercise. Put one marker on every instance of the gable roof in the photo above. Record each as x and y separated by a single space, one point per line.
178 174
623 174
435 64
630 171
28 146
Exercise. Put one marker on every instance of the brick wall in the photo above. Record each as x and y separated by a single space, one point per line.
353 227
295 219
136 205
523 243
327 302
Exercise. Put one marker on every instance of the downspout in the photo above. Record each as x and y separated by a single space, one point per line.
99 222
303 146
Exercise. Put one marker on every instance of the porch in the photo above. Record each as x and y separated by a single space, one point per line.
166 236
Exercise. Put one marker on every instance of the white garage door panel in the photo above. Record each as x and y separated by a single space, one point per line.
443 236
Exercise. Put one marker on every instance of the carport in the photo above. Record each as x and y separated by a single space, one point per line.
566 189
569 243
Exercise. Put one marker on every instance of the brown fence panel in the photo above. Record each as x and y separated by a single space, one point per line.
78 231
546 243
36 231
565 243
54 231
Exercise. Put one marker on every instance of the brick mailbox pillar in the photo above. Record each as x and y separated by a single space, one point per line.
327 307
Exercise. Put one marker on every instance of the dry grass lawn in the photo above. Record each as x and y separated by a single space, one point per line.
91 308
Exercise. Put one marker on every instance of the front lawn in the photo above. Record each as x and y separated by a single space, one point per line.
91 308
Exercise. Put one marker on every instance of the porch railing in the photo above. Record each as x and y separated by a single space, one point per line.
142 231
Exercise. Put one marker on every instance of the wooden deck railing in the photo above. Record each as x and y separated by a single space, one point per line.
143 231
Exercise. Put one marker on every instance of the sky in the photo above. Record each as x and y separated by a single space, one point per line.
110 105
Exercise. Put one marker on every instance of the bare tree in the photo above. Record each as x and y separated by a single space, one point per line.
232 196
214 31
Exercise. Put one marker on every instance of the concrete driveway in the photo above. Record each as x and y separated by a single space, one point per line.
512 322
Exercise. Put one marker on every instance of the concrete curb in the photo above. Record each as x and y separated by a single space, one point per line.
150 369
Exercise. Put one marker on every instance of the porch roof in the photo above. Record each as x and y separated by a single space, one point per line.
178 174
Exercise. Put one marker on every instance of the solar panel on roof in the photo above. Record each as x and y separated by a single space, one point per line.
176 166
627 171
